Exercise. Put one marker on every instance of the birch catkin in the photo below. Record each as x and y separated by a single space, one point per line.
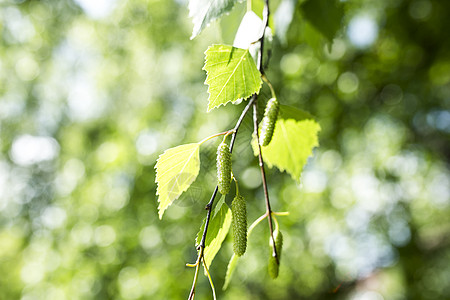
223 168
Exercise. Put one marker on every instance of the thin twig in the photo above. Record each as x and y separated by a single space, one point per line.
264 181
208 207
266 13
197 268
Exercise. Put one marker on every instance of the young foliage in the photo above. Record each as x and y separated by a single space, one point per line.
239 211
231 74
217 231
294 137
232 264
204 12
176 169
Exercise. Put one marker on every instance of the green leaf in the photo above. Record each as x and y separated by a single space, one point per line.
229 23
176 169
204 12
325 15
232 264
294 137
257 7
231 75
218 228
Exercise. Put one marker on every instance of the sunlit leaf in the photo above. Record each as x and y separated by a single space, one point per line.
218 228
231 75
230 270
176 169
294 137
204 12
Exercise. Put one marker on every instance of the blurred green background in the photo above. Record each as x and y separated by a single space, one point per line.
91 92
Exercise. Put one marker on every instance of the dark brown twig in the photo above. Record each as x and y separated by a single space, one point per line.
208 207
266 14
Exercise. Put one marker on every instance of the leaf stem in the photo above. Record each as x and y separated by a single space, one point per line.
237 185
266 80
256 222
210 279
277 226
226 133
280 213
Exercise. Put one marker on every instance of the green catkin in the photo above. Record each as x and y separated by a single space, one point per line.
268 121
273 266
223 168
239 223
279 243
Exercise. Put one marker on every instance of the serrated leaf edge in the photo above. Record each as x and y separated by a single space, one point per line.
161 211
246 53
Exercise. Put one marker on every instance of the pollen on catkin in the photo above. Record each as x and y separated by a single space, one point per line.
223 168
267 125
239 223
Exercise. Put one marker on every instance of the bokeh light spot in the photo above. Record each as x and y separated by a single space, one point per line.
27 149
362 31
348 82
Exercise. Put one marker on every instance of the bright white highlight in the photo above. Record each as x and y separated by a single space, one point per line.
27 150
84 101
97 9
249 31
362 31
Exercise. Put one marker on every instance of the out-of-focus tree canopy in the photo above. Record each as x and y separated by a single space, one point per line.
91 92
